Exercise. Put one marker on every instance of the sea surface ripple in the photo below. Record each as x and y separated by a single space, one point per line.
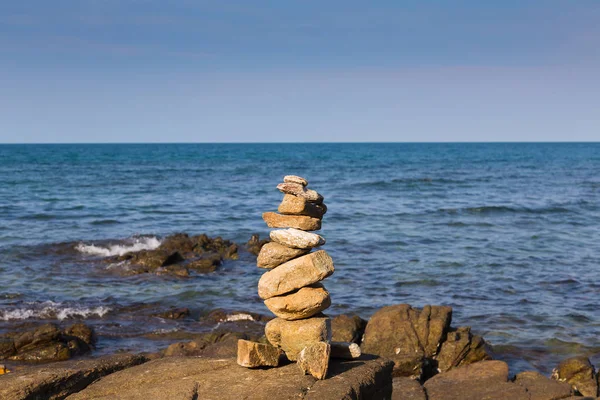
506 234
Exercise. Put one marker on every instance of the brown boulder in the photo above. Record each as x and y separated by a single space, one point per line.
483 380
347 328
293 336
580 374
540 387
274 254
295 274
303 303
301 222
462 348
406 335
47 343
293 205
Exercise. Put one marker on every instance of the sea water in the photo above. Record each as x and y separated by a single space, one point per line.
507 234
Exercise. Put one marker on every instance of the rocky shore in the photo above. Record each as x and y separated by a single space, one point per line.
408 353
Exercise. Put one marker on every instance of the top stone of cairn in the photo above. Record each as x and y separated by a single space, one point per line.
295 179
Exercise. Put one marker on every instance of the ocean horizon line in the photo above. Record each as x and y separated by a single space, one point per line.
276 143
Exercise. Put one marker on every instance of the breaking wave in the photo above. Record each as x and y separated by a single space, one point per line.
52 310
138 244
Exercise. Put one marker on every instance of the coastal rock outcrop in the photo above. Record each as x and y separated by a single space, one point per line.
179 255
421 342
483 380
580 374
540 387
63 378
255 244
407 336
291 287
461 347
47 343
347 328
199 378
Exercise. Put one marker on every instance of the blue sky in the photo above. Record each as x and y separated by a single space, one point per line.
208 71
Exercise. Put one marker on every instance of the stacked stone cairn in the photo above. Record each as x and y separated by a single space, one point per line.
291 289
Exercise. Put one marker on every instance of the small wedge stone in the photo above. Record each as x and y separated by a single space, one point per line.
304 303
293 336
295 274
294 205
314 359
296 238
274 254
345 351
252 354
301 222
295 179
298 190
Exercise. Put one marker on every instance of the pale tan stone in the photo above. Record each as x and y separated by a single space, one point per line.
345 350
304 303
295 179
273 254
252 354
294 205
294 274
296 238
301 222
298 190
293 336
314 359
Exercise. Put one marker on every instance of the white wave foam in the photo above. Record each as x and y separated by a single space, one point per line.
52 310
145 243
239 317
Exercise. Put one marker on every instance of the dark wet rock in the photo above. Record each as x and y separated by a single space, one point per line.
205 264
191 378
540 387
199 245
407 389
580 374
483 380
47 343
179 254
462 348
62 379
7 348
255 243
347 328
408 336
175 313
82 332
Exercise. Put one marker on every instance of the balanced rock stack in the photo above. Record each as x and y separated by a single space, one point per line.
291 288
